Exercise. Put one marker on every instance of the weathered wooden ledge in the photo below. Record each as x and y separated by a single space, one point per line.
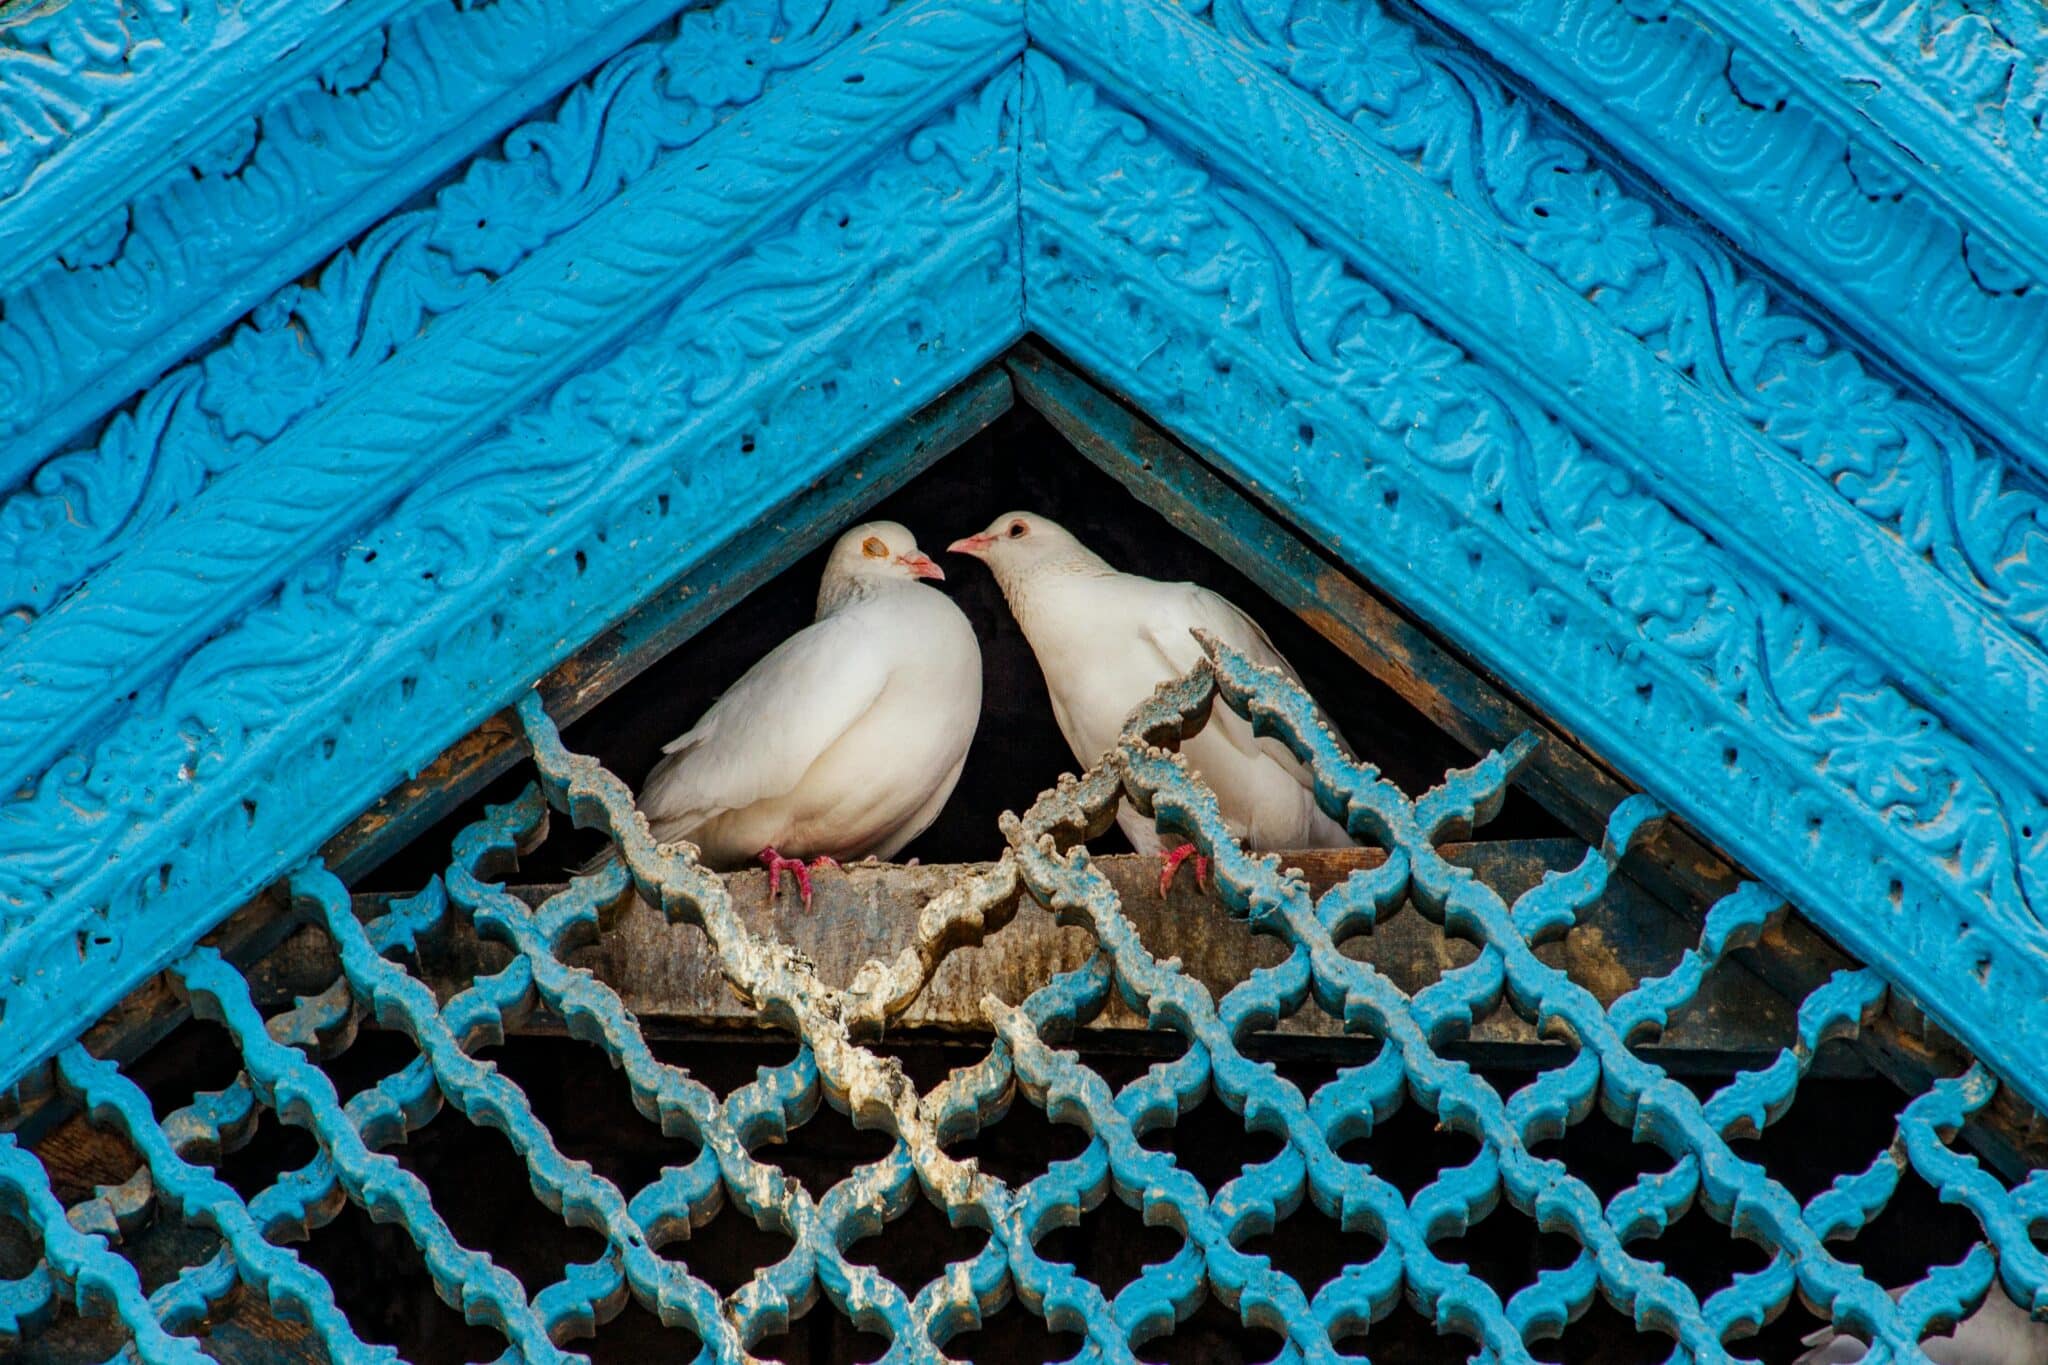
667 974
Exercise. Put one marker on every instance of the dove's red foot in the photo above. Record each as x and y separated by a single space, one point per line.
777 865
1170 861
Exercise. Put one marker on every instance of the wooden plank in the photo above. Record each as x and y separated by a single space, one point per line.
669 978
1680 870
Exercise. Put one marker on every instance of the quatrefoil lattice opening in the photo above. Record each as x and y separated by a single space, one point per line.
1392 1147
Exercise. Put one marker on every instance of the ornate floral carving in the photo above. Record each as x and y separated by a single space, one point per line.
303 345
839 249
467 588
1744 356
1350 56
176 583
1708 315
1973 56
1582 226
144 80
62 67
1545 558
1768 136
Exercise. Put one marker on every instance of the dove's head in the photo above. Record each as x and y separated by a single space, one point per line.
1017 546
872 555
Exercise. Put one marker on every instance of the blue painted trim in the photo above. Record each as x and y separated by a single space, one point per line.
305 343
1938 254
282 192
1752 355
784 360
1447 483
1449 261
1415 313
385 432
155 85
1960 87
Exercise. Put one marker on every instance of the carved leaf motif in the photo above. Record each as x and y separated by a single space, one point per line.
1697 622
98 246
62 67
433 573
229 152
554 172
355 68
1899 461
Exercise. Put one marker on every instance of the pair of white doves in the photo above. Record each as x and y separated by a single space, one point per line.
846 740
848 737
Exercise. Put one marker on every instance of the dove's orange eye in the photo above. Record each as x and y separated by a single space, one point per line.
873 548
1017 528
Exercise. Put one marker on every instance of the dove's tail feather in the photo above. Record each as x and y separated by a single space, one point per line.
606 856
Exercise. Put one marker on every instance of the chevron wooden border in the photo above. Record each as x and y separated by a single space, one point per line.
1761 523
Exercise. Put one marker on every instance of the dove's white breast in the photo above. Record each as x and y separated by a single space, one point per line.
844 742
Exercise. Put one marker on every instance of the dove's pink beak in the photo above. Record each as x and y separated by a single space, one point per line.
971 545
921 566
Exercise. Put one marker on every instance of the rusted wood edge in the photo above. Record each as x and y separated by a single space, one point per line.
668 976
1682 871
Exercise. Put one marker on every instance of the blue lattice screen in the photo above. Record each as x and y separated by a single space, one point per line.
76 1260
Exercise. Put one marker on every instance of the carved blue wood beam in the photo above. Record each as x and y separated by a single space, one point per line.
277 193
1958 89
390 428
754 553
1890 163
305 344
1537 551
1435 326
374 655
1701 454
1913 467
102 100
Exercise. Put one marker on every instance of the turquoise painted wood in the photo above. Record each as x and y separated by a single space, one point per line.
731 1143
1678 362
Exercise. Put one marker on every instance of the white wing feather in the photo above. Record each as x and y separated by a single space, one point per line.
759 739
1184 607
1998 1333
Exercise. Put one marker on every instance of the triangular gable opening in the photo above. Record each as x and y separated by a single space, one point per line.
1419 1124
1020 461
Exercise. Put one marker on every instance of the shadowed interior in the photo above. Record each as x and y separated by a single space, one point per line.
1019 462
479 1184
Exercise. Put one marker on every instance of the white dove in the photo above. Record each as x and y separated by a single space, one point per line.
1998 1333
1105 639
846 739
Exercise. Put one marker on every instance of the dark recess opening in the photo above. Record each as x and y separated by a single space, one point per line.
1019 462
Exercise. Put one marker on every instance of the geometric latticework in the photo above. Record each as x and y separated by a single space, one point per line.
1603 1075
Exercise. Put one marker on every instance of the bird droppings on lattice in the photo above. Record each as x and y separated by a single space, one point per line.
1303 1165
